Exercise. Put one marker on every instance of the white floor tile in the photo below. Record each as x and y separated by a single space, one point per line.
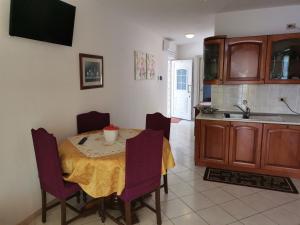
282 217
189 219
216 216
175 208
189 176
259 202
240 191
218 195
258 220
197 201
182 189
202 185
293 207
238 209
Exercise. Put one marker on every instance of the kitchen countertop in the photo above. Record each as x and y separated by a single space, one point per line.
254 118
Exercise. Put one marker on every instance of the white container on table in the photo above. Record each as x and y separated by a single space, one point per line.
110 133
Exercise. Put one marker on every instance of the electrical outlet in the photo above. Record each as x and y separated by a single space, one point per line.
282 99
291 26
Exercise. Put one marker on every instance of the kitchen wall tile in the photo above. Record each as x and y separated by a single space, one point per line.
261 98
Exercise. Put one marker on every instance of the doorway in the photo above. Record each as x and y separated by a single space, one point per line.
181 89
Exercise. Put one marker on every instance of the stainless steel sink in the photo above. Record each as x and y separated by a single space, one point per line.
233 116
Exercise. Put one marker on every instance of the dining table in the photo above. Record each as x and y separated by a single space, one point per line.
98 166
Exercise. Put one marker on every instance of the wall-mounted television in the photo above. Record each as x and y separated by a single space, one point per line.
43 20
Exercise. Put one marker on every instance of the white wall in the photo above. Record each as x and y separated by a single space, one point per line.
39 87
189 51
262 98
257 22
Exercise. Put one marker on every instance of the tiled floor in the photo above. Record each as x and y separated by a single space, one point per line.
192 201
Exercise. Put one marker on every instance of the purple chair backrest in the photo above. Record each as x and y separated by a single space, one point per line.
157 121
92 121
143 164
48 162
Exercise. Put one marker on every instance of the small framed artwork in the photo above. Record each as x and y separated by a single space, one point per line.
140 66
151 64
91 71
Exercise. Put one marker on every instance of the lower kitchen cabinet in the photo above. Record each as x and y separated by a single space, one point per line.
253 147
245 144
281 148
214 140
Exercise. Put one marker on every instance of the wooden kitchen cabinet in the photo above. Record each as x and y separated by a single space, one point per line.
213 60
283 59
281 148
245 59
245 144
214 141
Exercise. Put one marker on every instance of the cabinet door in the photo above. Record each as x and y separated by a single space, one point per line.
214 141
245 144
283 59
281 148
245 60
213 61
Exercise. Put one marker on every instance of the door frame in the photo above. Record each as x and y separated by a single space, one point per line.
172 85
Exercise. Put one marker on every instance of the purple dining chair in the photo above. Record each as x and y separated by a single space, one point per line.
89 122
50 175
142 172
157 121
92 121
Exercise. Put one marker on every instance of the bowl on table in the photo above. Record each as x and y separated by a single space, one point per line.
111 133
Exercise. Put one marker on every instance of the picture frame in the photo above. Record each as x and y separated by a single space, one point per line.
91 71
140 65
151 66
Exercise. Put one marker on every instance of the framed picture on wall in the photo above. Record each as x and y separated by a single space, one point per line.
140 67
91 71
151 64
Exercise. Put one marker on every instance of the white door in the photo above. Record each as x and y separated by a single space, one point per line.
182 71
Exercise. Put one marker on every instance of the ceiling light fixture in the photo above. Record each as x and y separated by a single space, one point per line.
190 36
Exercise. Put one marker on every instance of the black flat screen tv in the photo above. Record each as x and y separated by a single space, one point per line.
43 20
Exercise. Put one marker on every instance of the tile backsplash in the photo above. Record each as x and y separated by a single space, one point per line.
261 98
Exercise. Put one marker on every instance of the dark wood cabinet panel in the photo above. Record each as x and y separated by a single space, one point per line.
214 141
281 148
283 59
245 60
245 144
213 60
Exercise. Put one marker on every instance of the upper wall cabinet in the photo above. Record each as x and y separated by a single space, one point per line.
283 59
213 60
245 60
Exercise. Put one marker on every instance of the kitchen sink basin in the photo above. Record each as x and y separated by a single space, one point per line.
233 116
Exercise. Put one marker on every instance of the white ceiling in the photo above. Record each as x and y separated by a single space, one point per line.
174 18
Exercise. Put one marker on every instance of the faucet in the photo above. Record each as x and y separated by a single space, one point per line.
246 113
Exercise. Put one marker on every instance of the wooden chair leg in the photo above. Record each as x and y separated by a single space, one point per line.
84 196
102 210
166 183
128 218
44 206
63 212
78 195
157 206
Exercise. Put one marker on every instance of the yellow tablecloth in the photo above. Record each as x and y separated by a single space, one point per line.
103 175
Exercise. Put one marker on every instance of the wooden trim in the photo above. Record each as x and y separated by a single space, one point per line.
271 39
81 56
